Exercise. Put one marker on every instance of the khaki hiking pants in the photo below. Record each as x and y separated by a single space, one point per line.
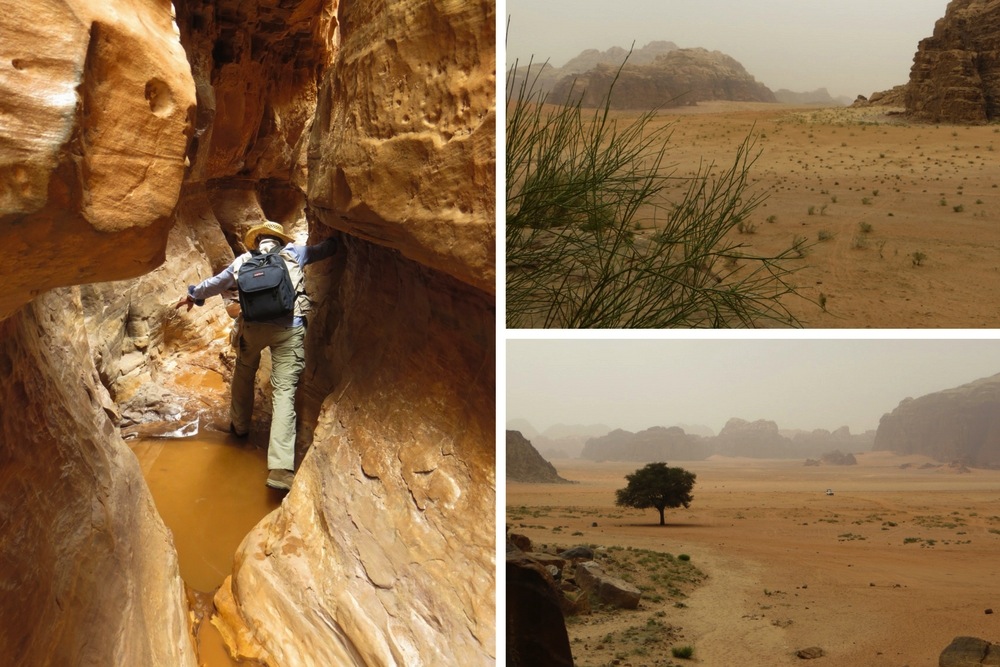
287 361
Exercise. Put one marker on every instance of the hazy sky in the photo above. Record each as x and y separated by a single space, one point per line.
850 47
636 384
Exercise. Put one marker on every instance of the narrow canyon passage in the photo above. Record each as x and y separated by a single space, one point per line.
177 127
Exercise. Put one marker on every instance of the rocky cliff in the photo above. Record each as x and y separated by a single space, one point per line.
525 464
143 146
677 78
955 75
960 424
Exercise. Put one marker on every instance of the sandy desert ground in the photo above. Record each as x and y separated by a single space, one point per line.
877 189
885 572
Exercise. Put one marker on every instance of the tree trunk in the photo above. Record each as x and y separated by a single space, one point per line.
661 516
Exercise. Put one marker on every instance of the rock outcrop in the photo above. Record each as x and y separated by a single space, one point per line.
679 78
525 464
955 76
612 591
960 424
969 652
372 121
536 630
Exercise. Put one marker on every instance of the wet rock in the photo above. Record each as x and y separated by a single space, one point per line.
609 590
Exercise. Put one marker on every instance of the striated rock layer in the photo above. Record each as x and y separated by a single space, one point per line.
960 424
90 571
955 75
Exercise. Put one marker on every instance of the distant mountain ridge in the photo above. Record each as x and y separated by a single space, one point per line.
739 438
657 75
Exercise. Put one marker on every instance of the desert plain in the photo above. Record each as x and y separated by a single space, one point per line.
902 218
902 558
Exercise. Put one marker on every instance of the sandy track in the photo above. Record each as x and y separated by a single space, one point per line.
884 573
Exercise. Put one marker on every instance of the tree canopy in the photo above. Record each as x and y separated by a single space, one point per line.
659 486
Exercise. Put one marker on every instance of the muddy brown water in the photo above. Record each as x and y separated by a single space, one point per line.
209 489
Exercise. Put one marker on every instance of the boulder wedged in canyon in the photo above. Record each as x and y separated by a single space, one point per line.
90 570
961 424
93 145
955 76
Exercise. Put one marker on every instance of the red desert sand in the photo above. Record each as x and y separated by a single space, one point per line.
901 558
903 218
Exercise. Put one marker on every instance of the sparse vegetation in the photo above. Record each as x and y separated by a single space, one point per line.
683 652
918 258
576 186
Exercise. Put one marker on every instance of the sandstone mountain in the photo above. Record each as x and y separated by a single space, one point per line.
739 437
678 78
525 464
543 77
955 75
139 142
960 424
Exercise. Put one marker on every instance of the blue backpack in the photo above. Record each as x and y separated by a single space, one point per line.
265 287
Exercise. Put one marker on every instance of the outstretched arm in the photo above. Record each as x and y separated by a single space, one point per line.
217 284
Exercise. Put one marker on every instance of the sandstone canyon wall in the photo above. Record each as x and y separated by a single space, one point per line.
372 121
956 72
97 102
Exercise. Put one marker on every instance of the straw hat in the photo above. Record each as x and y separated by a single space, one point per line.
266 229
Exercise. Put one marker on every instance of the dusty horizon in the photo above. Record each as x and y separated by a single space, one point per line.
798 383
850 48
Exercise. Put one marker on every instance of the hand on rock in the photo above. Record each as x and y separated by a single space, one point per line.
185 301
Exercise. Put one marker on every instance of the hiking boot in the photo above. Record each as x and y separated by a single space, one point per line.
280 479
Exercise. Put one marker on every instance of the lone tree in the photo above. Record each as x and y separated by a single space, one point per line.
657 486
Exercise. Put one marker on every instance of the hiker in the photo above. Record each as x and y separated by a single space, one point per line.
283 332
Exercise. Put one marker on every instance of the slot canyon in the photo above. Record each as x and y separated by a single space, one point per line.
139 141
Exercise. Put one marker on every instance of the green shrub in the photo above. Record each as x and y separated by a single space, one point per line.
684 652
575 188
